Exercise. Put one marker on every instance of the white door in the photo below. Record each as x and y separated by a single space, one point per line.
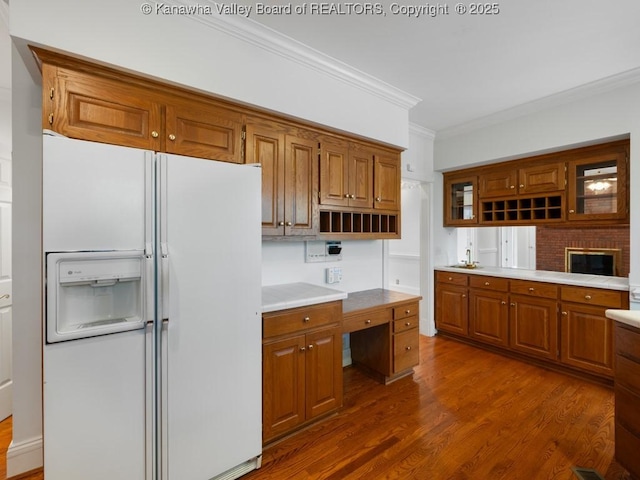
214 396
5 290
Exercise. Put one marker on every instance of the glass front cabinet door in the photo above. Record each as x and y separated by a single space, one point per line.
461 203
597 186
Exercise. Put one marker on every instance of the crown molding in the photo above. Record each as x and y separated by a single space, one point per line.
421 131
590 89
272 41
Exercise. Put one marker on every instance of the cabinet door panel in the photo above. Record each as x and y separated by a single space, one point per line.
301 179
386 177
283 385
533 326
543 178
361 179
488 317
587 338
334 174
100 110
498 184
452 310
266 147
324 371
202 131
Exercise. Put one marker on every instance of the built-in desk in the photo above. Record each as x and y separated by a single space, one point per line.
383 326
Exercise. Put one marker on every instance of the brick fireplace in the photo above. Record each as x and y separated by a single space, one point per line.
552 241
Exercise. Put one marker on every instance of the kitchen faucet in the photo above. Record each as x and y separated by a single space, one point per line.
468 254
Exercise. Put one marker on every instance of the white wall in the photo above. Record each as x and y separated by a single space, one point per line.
587 120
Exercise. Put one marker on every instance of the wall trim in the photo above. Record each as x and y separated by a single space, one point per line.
422 131
24 456
596 87
272 41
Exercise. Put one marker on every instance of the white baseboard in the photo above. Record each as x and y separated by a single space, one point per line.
346 357
24 456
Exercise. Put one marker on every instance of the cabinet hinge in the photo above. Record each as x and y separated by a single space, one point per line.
51 91
244 135
51 119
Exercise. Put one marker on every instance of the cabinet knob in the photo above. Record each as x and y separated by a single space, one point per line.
564 313
407 348
346 195
503 302
450 278
587 297
512 186
407 311
172 137
306 319
521 185
288 224
464 296
572 211
408 324
512 304
310 347
154 134
352 196
281 224
367 322
302 349
378 199
531 289
486 284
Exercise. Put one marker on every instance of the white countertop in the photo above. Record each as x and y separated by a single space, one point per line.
291 295
629 317
577 279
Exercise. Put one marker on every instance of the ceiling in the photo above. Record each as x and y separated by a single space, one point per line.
465 67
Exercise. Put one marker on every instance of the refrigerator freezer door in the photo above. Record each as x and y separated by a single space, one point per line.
93 196
94 408
213 414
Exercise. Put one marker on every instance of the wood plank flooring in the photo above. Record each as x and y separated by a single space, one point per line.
465 414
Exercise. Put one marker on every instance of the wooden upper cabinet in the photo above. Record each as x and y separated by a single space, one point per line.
81 105
597 186
541 178
196 129
386 176
525 180
346 174
460 199
498 184
289 177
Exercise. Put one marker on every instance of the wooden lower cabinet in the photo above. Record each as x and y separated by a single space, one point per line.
301 367
452 307
563 325
627 397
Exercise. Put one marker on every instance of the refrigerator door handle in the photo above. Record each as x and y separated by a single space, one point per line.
165 280
149 287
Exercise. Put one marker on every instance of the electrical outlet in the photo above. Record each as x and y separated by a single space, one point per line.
334 274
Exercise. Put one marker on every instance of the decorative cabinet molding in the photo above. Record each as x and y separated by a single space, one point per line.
585 184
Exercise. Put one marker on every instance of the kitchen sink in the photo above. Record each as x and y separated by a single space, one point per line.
465 266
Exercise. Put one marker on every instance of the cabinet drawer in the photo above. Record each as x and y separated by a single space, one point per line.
451 278
626 409
536 289
353 323
405 350
300 319
405 324
627 447
628 342
627 373
489 283
592 296
405 311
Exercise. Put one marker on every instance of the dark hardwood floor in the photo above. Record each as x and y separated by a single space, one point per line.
465 414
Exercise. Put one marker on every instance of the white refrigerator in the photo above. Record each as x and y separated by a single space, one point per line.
152 321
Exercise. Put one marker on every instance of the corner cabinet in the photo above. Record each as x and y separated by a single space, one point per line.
301 367
288 157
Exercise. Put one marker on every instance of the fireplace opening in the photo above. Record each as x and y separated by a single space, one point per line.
594 261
